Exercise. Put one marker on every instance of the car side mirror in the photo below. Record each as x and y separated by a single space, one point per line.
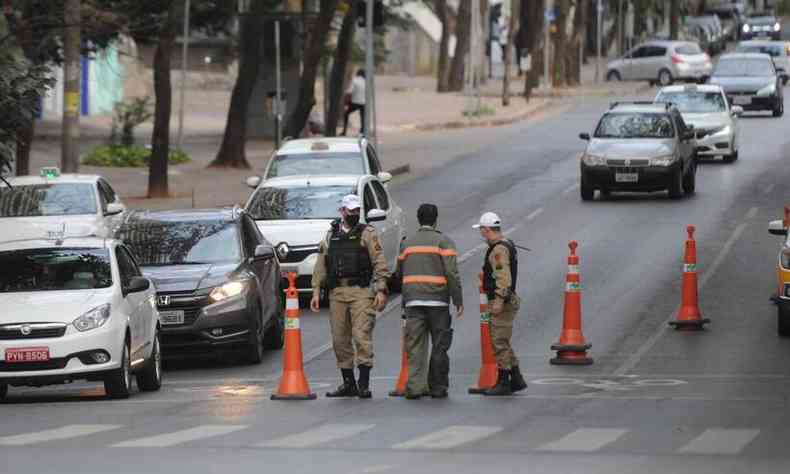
264 252
584 136
376 215
737 110
253 181
136 285
114 208
777 228
385 177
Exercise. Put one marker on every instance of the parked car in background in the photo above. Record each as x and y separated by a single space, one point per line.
778 50
762 25
751 81
662 62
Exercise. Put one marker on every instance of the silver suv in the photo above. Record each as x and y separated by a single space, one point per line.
639 146
662 62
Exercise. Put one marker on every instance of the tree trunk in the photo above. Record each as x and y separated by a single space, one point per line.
444 43
70 138
24 141
532 20
345 43
674 18
577 55
515 12
462 35
312 59
160 138
231 152
560 45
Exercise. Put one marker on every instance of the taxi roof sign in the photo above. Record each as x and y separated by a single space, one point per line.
49 172
691 88
320 146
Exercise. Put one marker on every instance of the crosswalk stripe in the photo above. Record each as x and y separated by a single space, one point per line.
450 437
720 441
584 440
316 436
178 437
64 432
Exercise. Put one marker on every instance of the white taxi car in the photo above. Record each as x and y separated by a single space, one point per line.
325 156
34 205
295 214
76 308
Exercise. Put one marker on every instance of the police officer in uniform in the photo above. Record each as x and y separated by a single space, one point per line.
350 259
500 272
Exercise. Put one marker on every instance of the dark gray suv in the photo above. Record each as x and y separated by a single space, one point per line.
639 146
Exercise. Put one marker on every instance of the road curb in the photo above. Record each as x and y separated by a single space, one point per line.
455 124
398 170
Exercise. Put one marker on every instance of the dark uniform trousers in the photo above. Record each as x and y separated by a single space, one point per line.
422 321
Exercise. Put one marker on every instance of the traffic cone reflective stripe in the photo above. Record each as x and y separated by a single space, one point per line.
293 384
488 368
572 347
689 315
403 377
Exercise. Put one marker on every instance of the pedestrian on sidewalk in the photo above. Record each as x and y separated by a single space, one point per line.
428 275
350 258
500 273
357 101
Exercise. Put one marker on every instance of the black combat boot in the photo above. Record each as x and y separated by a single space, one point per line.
364 381
517 382
349 387
502 386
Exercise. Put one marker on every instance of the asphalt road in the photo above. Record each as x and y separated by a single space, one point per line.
655 401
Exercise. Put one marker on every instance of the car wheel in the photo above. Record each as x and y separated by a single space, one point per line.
255 348
779 111
664 77
3 391
676 185
732 157
783 320
274 339
150 378
690 180
587 192
118 383
613 76
606 194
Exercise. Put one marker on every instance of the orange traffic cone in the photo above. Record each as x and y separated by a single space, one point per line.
488 368
572 348
403 377
786 220
293 384
689 316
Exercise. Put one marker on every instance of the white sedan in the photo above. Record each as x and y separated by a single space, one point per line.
33 206
295 213
76 309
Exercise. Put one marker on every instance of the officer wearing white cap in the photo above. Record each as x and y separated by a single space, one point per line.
500 272
350 260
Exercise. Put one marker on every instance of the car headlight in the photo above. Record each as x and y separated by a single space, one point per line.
725 130
784 259
593 160
93 319
282 250
770 89
777 26
662 160
228 290
746 28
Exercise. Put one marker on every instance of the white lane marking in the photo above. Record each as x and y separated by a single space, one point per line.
720 441
64 432
450 437
571 189
768 189
322 434
535 213
752 213
178 437
585 440
632 361
469 253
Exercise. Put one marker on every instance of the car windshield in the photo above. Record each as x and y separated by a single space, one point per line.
33 200
316 164
635 125
761 19
54 269
297 202
773 50
162 242
753 67
695 102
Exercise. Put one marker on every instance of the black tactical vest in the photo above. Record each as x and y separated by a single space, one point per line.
489 283
347 258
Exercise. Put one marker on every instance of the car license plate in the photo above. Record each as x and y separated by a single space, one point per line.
741 100
171 317
626 177
28 354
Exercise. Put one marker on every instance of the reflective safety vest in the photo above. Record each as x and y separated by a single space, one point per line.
347 259
422 268
489 282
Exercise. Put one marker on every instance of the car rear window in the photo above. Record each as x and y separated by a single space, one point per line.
753 67
54 269
57 199
299 164
694 102
688 49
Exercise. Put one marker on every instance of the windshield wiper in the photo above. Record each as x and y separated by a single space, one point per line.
6 183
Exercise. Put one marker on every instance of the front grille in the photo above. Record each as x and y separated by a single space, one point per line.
189 302
299 254
52 364
628 163
37 331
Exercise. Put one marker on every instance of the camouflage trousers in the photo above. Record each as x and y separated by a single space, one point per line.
502 332
352 319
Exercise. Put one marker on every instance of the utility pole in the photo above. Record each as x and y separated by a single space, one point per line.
69 157
184 59
548 18
278 112
599 19
369 67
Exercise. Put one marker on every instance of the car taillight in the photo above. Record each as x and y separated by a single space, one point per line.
677 59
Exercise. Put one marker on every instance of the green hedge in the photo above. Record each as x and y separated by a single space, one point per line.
120 156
